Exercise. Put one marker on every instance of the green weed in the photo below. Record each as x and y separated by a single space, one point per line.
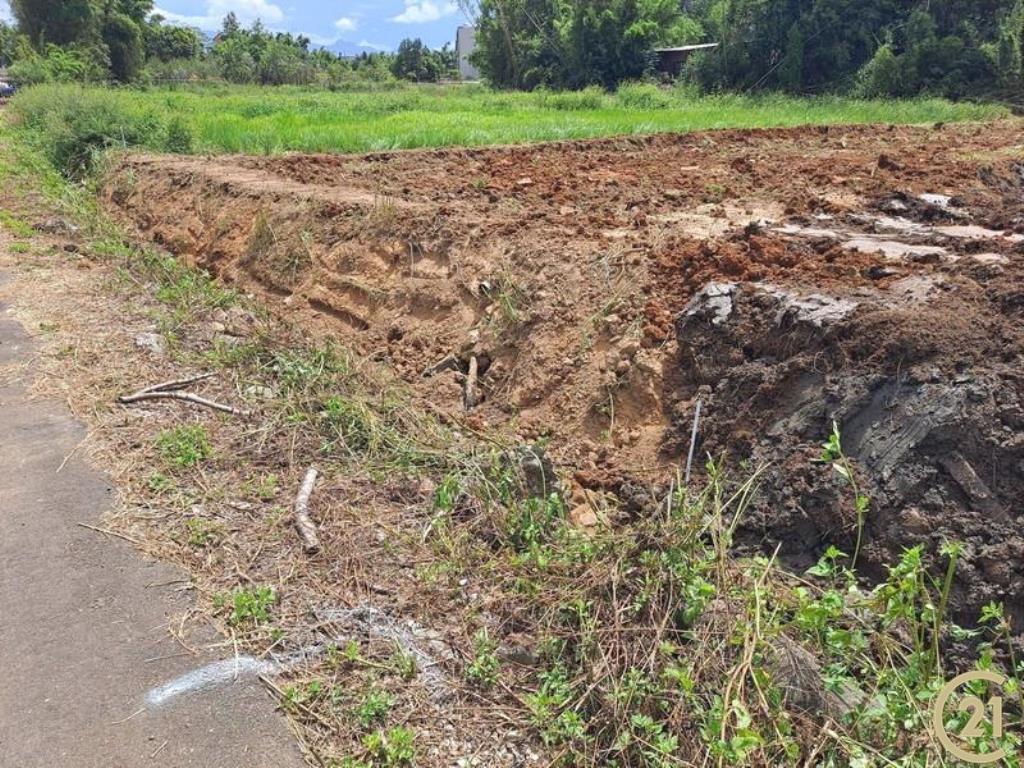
184 446
483 670
374 708
248 606
832 453
15 226
392 748
202 533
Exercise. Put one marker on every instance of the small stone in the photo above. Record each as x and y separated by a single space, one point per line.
259 391
151 342
583 516
629 347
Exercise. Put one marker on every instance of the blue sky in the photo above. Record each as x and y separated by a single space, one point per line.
371 24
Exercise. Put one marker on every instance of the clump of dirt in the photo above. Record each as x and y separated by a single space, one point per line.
928 399
787 278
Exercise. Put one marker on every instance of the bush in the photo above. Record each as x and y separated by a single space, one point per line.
58 65
880 77
181 71
72 125
591 97
642 96
179 137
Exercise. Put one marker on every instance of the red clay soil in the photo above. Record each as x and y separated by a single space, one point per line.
570 271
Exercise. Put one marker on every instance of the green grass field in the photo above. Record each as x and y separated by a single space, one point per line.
261 120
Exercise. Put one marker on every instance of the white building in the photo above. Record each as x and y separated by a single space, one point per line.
465 44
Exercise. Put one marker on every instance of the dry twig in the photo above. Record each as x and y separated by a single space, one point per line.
470 397
171 390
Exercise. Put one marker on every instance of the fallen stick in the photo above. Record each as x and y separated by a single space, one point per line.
449 363
693 442
469 398
303 523
106 532
177 384
187 397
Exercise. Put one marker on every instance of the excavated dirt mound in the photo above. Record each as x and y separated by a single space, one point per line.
786 278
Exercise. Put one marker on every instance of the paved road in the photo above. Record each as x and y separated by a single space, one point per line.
83 616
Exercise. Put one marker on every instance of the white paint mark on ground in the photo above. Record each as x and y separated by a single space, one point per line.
211 676
363 621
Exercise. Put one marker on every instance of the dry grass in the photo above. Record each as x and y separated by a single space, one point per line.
225 517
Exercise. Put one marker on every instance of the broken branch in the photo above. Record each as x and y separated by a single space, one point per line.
303 523
470 398
171 390
187 397
175 385
449 363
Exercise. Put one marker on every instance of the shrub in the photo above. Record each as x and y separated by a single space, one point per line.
76 64
179 137
72 126
591 97
880 77
642 96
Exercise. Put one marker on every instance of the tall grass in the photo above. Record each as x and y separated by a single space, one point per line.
72 120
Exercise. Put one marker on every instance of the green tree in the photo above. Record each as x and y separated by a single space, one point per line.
283 62
791 70
415 61
230 26
169 42
8 44
58 22
125 45
880 77
234 60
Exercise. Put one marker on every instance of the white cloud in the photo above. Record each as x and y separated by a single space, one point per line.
346 24
372 46
247 12
5 11
425 11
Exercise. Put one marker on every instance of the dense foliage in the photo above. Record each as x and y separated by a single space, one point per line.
122 40
955 48
529 43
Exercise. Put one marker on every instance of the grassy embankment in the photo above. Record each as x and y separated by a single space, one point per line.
69 120
647 642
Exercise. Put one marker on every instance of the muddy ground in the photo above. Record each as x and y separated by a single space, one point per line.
786 279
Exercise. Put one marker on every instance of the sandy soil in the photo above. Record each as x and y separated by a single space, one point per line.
785 278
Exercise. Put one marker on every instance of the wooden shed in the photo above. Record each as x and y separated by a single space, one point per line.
671 60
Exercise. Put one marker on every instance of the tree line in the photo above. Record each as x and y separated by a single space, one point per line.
124 41
885 48
876 48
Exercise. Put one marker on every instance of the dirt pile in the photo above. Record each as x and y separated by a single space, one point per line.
930 408
786 278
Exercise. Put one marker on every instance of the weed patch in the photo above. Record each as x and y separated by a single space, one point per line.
184 446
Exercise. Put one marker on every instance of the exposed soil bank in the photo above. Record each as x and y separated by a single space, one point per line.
787 278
